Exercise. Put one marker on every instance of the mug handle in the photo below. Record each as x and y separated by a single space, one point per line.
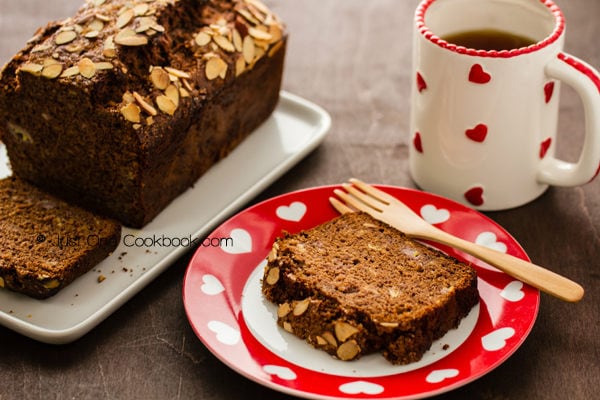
586 82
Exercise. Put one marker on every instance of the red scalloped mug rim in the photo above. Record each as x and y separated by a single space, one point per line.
424 30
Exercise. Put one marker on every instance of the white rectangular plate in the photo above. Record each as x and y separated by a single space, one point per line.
294 130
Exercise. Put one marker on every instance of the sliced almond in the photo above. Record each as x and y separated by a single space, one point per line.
273 50
65 37
240 66
301 307
172 92
183 93
178 73
288 327
131 112
144 104
202 38
236 38
103 65
71 71
272 276
343 330
86 67
128 97
224 43
320 341
389 324
166 105
215 67
160 78
329 338
259 33
32 68
348 350
52 71
248 49
125 18
128 37
283 310
140 9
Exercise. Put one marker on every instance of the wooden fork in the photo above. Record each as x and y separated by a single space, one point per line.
386 208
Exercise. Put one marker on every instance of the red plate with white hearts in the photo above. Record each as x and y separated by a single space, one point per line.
227 311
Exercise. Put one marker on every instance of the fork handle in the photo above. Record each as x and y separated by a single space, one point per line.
534 275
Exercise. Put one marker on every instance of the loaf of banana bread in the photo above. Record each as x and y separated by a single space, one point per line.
125 105
354 286
46 243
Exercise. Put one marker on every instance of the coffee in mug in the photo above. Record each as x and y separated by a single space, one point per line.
484 116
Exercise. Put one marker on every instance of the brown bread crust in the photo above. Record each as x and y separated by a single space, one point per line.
358 281
123 124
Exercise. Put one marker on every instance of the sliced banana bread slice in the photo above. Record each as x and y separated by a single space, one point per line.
355 285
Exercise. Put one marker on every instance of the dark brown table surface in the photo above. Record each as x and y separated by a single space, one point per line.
353 58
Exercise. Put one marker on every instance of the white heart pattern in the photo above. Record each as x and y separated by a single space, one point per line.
439 375
358 387
280 372
241 242
512 291
212 286
225 334
489 239
496 340
293 212
434 215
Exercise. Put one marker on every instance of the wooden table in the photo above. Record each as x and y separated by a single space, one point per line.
353 58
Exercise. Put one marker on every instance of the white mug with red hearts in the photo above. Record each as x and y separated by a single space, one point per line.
483 122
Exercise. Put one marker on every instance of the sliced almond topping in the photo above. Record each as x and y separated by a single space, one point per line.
102 17
52 71
71 71
215 67
236 37
65 37
91 34
320 341
86 67
389 324
344 330
224 43
103 65
259 33
128 37
125 18
183 93
166 105
276 33
301 307
272 276
246 14
128 97
160 78
328 336
288 327
202 39
177 73
95 25
32 68
348 351
140 9
172 92
283 310
131 112
248 49
240 65
144 104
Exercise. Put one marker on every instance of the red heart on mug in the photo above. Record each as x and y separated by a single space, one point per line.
421 84
478 75
475 195
478 133
548 90
417 142
544 146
